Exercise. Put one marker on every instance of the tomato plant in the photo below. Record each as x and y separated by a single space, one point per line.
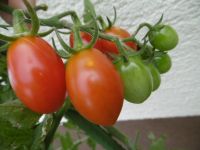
37 74
94 86
163 63
163 37
136 78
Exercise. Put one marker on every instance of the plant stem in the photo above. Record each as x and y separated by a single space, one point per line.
7 38
141 26
120 136
43 34
94 131
56 122
34 18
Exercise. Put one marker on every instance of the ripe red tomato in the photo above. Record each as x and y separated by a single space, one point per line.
14 4
37 74
106 46
95 87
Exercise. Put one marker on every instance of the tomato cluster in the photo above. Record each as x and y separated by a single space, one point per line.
95 83
95 86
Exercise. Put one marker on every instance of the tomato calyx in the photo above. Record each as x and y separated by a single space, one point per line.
78 42
105 26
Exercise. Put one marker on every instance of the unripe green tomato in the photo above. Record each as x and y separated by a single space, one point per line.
164 39
156 79
14 4
163 63
136 78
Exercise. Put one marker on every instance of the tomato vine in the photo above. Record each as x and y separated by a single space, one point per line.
103 64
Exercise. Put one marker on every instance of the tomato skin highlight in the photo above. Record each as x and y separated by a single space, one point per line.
37 74
136 78
94 87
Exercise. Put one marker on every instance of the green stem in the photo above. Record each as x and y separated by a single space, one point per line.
73 15
34 18
94 131
7 38
115 16
63 44
120 136
78 43
43 7
102 22
57 118
95 34
55 20
43 34
132 39
141 26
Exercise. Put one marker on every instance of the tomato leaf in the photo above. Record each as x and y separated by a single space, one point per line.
157 143
89 11
6 92
91 143
17 126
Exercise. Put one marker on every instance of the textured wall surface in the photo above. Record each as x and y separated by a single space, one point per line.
179 94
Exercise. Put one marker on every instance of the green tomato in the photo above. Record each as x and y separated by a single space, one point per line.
136 78
164 38
163 63
155 76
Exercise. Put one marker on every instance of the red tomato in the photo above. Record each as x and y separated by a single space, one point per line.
14 4
95 87
86 37
37 74
108 46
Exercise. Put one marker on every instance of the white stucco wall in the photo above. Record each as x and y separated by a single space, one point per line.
179 93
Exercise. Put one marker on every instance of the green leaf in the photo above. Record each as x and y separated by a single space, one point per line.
89 11
6 92
66 140
91 143
17 126
157 143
